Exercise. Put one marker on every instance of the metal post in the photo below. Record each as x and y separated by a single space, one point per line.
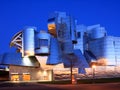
93 71
93 74
71 71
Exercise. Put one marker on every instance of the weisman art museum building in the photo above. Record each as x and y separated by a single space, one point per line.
48 55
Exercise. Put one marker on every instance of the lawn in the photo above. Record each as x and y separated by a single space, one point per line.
84 81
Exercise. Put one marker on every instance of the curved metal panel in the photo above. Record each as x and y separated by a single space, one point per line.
98 32
16 59
42 44
28 41
104 48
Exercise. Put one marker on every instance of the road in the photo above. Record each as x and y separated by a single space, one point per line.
36 86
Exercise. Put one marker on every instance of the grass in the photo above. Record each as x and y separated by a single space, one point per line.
81 81
85 81
56 82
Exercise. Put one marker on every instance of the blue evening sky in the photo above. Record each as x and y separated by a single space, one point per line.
16 14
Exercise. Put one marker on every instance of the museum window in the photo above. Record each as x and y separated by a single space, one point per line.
113 43
105 34
78 34
62 47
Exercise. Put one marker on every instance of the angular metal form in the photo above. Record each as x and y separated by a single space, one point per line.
55 56
17 41
16 59
67 42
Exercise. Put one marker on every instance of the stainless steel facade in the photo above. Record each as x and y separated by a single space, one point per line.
103 47
42 43
65 37
29 41
80 30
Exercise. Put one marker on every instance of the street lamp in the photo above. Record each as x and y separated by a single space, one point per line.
93 71
73 79
72 59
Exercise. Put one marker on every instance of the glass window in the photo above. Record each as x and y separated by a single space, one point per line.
78 35
114 43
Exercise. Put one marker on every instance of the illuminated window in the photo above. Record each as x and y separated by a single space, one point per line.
52 26
26 77
14 76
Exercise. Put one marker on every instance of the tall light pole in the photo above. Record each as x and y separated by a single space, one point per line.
72 59
93 72
71 74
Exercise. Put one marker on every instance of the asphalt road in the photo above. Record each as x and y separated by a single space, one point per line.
35 86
